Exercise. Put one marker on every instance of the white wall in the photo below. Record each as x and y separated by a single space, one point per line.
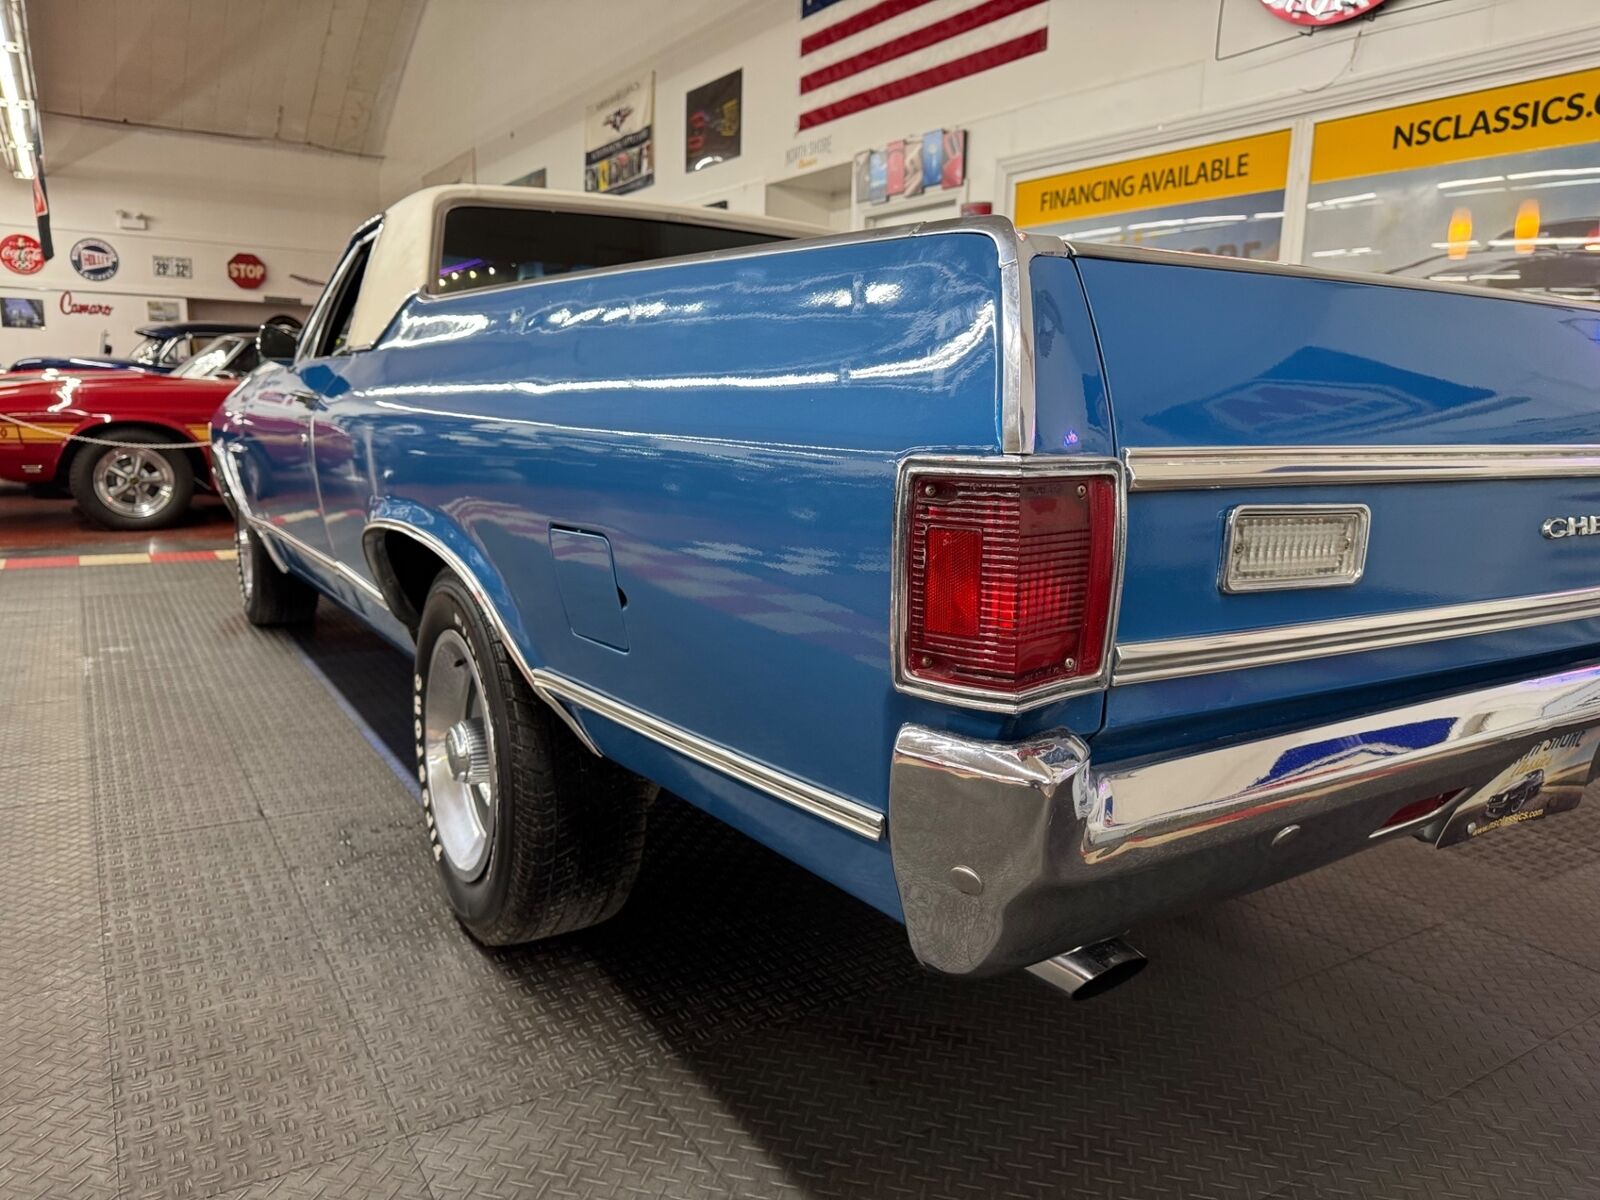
1117 72
207 198
76 321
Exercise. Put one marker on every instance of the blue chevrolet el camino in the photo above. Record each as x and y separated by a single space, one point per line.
1023 590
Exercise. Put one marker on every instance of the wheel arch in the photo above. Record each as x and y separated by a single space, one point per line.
406 547
110 429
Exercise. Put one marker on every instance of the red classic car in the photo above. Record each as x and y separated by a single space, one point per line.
148 447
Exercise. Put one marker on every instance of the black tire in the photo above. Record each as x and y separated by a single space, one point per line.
270 597
568 827
92 459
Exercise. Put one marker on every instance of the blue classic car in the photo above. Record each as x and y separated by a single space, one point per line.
1024 590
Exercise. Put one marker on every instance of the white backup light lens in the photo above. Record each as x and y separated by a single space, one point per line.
1272 547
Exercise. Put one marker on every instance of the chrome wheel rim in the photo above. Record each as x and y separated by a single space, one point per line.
134 482
247 566
458 756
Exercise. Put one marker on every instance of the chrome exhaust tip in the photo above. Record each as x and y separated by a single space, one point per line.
1089 970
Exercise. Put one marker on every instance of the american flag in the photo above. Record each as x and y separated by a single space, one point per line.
857 54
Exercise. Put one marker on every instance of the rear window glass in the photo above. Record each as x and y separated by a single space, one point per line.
488 246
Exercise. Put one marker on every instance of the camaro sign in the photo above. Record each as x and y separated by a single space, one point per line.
247 270
1319 12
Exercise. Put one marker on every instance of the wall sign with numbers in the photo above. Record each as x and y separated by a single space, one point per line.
171 266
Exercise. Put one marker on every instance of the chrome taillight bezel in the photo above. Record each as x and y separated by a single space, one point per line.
911 471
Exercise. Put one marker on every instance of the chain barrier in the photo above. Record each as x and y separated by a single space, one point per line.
94 441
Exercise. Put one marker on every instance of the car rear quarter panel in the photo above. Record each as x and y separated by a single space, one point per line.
732 427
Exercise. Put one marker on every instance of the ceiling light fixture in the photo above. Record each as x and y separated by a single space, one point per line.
19 135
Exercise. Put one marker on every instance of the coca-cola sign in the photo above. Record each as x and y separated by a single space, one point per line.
1319 12
21 253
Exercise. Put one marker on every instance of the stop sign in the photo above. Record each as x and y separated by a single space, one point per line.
247 270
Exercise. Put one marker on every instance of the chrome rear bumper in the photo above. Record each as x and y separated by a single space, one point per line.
1008 853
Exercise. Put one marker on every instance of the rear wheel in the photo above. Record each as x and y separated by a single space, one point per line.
270 596
132 485
532 834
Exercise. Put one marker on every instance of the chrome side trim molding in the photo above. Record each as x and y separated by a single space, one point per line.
1018 421
808 797
1174 658
489 610
1255 266
1193 468
317 556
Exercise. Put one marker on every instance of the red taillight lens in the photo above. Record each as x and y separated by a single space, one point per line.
1008 579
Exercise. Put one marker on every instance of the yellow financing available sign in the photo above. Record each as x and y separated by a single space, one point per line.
1544 114
1235 168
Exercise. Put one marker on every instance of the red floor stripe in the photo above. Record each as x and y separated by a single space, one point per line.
92 560
59 560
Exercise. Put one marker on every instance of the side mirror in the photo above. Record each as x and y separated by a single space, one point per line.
276 343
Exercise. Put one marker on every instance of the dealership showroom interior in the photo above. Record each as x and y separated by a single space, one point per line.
799 598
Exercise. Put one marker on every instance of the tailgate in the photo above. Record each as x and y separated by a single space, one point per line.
1464 423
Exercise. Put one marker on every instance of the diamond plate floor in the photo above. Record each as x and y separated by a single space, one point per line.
225 971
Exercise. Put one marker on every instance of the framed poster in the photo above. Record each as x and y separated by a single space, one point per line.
22 312
713 121
618 138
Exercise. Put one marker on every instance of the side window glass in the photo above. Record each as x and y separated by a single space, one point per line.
332 325
245 361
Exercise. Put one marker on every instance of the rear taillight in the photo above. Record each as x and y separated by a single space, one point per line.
1008 578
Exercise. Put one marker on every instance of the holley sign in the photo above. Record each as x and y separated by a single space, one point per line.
1319 12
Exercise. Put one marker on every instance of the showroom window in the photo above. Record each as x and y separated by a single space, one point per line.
1222 198
488 246
1499 187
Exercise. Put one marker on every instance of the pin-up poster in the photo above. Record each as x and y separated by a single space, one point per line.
714 119
618 145
912 165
